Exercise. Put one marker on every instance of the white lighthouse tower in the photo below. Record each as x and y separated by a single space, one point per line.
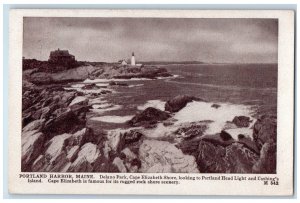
132 59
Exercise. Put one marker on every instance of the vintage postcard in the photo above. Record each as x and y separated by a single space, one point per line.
162 102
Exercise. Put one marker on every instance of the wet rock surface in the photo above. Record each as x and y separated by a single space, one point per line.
149 116
191 130
241 121
220 153
231 159
179 102
265 130
163 157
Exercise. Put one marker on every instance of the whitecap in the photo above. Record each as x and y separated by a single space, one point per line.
78 85
102 84
101 106
112 119
97 101
105 80
159 131
235 132
169 77
137 85
101 111
200 111
158 104
93 91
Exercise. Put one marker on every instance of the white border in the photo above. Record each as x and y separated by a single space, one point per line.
285 108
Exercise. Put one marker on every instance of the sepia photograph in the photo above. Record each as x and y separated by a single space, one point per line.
150 95
155 102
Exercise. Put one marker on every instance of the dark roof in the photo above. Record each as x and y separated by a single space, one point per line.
60 53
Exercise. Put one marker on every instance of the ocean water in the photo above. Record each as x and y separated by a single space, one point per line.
240 89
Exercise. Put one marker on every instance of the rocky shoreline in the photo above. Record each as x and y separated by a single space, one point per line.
88 71
56 136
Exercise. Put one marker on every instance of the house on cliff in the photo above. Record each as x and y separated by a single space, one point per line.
62 57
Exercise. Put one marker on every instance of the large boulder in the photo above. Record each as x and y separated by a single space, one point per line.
120 165
131 136
241 121
267 160
78 101
87 156
61 151
265 130
163 157
32 146
191 130
225 135
235 158
34 125
56 153
130 160
148 116
65 122
179 102
131 139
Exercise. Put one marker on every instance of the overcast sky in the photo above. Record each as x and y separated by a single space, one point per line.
153 39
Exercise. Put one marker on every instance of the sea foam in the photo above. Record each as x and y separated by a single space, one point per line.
201 111
104 80
158 104
112 119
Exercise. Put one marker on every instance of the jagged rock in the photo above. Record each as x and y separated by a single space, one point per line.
55 154
241 121
90 86
74 74
129 154
148 116
218 140
87 155
45 112
67 97
189 146
179 102
113 140
267 160
130 160
102 164
37 114
120 165
79 101
248 142
216 106
34 125
191 130
72 153
235 158
79 138
131 137
32 145
265 130
60 151
66 122
225 135
39 164
137 72
161 156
